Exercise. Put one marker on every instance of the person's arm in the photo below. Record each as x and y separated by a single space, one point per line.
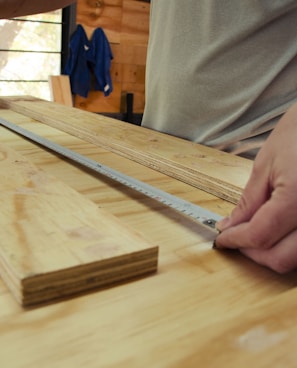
263 226
16 8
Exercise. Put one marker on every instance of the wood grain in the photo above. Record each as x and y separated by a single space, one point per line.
55 243
212 170
135 23
60 89
126 24
108 15
204 308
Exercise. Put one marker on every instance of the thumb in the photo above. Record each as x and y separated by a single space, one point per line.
256 192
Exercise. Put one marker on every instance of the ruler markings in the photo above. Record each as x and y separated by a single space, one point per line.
200 214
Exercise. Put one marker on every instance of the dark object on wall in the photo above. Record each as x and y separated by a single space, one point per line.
68 28
129 104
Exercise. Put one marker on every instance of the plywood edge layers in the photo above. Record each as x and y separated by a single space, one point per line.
211 170
55 242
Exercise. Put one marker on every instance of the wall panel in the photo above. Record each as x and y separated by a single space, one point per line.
126 25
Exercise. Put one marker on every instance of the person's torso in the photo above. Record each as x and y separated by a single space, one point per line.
220 71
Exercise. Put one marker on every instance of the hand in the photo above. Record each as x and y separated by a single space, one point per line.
263 225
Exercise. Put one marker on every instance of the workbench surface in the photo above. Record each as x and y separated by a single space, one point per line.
203 308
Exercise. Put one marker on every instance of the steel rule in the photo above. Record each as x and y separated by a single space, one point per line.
200 214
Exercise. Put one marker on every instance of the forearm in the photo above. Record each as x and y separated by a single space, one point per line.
15 8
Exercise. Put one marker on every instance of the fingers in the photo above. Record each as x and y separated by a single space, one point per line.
281 258
265 213
274 220
256 192
263 226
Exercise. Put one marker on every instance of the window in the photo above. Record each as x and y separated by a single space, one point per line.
31 49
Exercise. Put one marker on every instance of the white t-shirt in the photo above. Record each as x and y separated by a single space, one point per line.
221 72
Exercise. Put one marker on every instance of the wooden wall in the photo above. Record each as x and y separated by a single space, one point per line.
126 25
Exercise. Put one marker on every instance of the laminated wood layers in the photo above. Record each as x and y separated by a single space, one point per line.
211 170
55 242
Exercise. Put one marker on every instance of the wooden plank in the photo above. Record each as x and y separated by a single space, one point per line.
106 14
214 171
133 74
97 102
126 24
55 242
205 308
135 23
133 54
264 337
60 89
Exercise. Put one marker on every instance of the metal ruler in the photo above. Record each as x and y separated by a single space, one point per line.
202 215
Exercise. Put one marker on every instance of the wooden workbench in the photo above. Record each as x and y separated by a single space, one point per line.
203 308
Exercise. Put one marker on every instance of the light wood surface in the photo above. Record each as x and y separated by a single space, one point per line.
204 308
203 167
60 89
55 242
126 25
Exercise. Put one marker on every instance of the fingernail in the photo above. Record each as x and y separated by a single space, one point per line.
223 224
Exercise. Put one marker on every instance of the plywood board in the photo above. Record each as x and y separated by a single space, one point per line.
55 242
106 14
135 22
126 25
214 171
60 89
96 101
205 308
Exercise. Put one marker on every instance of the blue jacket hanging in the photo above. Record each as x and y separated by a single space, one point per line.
89 61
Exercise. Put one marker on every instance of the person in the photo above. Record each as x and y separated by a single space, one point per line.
223 74
264 223
16 8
